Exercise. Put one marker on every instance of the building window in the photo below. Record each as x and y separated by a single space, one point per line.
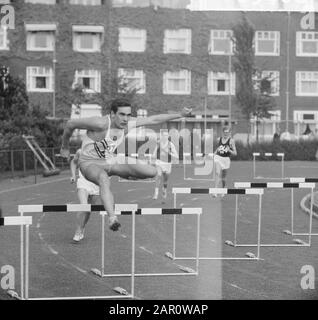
306 83
41 1
177 41
89 79
177 82
307 44
267 82
303 120
123 2
132 40
267 43
40 37
87 2
267 126
219 83
87 38
132 79
4 42
40 79
220 42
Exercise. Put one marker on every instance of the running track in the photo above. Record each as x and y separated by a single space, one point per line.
61 268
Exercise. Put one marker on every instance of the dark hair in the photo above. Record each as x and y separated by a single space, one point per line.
119 102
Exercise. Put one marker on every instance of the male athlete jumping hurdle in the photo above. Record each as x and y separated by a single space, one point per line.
104 134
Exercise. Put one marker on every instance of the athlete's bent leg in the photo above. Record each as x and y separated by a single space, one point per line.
218 172
82 217
99 176
138 170
224 173
165 177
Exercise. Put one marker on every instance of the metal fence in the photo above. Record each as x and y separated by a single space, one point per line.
23 162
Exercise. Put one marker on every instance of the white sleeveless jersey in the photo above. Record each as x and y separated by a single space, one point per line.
104 149
165 149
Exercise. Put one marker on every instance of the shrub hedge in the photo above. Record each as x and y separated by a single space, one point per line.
293 150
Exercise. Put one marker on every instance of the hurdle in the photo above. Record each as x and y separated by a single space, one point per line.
269 154
185 162
24 223
217 191
120 209
135 155
162 211
301 180
276 185
73 208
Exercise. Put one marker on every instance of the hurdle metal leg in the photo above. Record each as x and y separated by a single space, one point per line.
254 166
22 261
27 244
235 221
103 242
133 252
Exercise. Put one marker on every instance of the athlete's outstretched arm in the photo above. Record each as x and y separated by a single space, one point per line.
159 118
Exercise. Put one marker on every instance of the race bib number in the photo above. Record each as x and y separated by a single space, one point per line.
102 147
223 149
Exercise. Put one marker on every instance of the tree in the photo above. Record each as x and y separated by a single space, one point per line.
244 65
120 88
253 90
18 118
264 101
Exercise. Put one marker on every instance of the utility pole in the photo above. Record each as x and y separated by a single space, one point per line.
54 61
287 70
109 47
230 85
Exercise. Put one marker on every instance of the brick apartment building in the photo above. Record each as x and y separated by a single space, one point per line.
174 56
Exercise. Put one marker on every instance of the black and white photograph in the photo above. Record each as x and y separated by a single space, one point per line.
162 152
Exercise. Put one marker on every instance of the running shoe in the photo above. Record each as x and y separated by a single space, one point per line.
79 235
114 224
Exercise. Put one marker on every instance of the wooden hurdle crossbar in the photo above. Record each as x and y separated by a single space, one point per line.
269 154
120 209
217 191
187 160
278 186
24 223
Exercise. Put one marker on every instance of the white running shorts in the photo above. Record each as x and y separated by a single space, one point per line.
90 187
165 167
224 162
